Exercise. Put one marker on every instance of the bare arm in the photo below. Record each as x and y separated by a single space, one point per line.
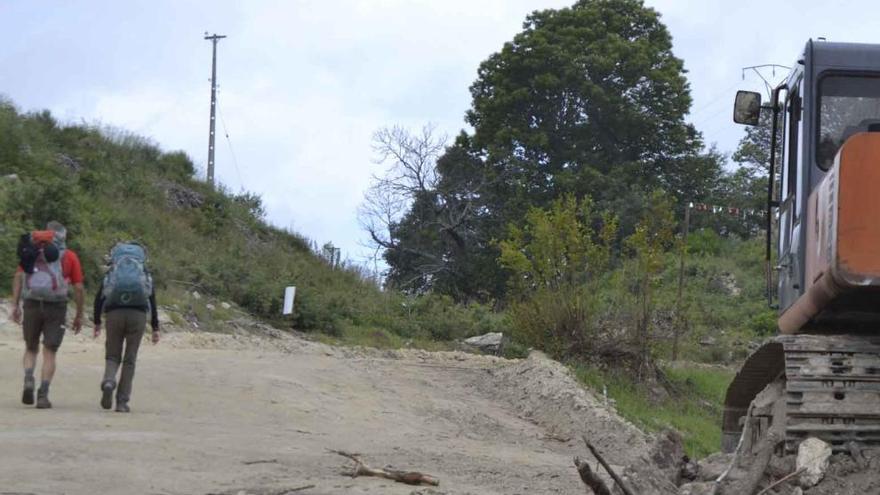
16 296
79 297
16 287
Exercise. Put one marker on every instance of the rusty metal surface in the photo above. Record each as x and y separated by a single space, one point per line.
858 232
843 234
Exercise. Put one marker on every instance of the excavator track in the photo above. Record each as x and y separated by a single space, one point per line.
832 389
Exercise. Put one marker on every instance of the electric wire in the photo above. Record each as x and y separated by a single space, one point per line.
231 149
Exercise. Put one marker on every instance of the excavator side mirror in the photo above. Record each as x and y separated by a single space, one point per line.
747 108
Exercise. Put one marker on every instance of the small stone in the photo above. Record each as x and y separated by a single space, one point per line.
210 307
67 162
713 466
813 457
697 488
196 295
225 305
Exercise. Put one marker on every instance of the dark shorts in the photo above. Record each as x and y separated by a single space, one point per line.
46 319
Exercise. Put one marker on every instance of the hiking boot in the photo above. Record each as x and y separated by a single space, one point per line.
122 407
27 395
107 394
43 402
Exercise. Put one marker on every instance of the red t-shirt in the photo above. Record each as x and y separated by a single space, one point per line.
70 267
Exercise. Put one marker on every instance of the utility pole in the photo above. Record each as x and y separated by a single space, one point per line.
678 314
214 39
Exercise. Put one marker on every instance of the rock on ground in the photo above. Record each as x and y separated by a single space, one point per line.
812 457
180 197
845 476
713 466
697 488
491 343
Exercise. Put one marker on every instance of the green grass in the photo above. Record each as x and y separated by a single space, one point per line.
694 411
376 337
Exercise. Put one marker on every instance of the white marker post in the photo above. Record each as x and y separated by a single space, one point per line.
289 293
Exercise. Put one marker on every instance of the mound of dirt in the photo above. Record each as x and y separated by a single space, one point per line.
545 392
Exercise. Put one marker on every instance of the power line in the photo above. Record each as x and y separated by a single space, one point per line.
231 149
715 99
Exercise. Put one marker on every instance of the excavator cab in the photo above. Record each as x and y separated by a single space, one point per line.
826 212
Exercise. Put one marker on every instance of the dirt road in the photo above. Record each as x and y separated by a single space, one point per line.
224 415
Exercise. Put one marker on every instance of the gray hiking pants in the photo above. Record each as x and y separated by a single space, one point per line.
125 326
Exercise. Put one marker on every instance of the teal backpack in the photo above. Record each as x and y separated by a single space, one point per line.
127 283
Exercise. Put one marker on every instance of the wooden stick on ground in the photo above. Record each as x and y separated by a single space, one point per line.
407 477
591 478
604 464
293 490
782 480
260 461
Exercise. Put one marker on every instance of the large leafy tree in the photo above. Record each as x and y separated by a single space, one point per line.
587 100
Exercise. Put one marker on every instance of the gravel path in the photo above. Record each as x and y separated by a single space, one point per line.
223 414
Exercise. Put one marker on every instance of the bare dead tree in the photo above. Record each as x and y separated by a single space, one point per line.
412 157
412 170
446 204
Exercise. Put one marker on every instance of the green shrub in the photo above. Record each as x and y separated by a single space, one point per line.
559 322
704 242
764 323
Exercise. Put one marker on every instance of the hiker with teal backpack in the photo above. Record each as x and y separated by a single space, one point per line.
126 295
46 272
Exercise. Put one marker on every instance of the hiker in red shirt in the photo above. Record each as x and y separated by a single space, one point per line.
43 279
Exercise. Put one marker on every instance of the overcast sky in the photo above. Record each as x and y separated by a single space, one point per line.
304 84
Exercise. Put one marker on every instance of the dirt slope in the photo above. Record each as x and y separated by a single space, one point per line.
206 407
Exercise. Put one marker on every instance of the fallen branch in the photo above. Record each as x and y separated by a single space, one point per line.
292 490
260 461
591 478
407 477
626 491
782 480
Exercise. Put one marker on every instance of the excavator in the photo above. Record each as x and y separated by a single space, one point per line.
825 205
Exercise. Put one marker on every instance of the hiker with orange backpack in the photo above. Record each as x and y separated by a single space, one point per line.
126 296
45 273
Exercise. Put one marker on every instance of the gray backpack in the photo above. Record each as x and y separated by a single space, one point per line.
127 283
44 273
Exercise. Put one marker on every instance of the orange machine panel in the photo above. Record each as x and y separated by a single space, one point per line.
843 231
858 214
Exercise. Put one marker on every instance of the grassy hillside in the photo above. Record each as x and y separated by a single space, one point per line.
108 185
724 298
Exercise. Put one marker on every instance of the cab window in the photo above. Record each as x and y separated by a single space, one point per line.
848 104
